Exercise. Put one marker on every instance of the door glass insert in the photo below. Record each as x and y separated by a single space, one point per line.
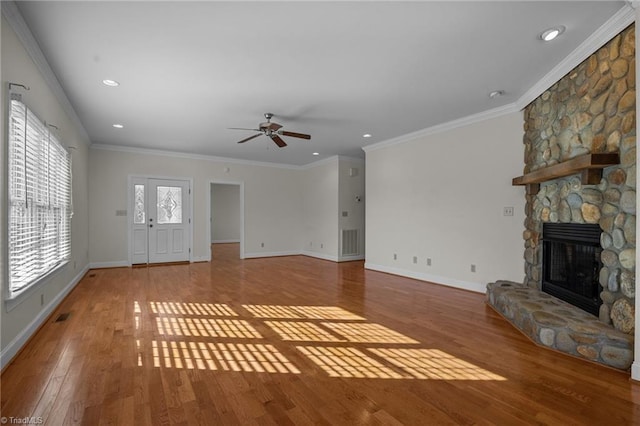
169 204
138 205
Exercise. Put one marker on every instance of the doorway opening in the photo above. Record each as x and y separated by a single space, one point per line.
226 216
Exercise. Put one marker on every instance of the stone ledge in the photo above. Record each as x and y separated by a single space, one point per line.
558 325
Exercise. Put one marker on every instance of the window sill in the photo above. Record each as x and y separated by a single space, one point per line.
24 294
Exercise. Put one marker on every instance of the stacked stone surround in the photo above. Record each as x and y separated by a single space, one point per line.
556 324
590 110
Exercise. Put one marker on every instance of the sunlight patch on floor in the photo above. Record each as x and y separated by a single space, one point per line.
272 311
342 342
298 331
368 333
433 364
220 356
302 312
327 313
200 309
347 362
206 327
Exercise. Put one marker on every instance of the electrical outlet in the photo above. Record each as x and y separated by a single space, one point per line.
428 261
415 259
473 267
261 244
321 245
42 300
395 256
507 211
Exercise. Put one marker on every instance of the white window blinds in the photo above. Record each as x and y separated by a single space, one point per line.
39 200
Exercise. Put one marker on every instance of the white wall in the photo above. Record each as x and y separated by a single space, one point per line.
350 186
441 197
272 202
320 209
225 213
329 191
19 322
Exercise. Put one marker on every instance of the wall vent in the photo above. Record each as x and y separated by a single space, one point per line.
350 239
62 317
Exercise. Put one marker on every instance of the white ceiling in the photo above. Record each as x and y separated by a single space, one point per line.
336 70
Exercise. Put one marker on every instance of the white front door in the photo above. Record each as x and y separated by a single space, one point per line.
160 225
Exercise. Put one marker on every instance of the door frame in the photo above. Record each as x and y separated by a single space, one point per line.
130 194
240 184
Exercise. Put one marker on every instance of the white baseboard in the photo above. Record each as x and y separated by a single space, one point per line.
125 264
200 259
115 264
21 339
322 256
270 254
436 279
635 371
224 241
350 258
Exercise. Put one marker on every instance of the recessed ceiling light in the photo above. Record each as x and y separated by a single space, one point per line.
316 153
551 33
366 135
118 126
111 83
496 94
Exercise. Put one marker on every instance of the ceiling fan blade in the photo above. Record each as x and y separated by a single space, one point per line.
249 138
243 128
294 134
278 140
270 126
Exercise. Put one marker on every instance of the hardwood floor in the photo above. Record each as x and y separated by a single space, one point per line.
295 340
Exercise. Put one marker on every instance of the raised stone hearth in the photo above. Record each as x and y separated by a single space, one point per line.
558 325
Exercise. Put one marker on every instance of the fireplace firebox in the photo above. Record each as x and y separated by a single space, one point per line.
571 264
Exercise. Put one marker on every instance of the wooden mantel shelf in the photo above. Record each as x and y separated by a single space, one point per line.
589 166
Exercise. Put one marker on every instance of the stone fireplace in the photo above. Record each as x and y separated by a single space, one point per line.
590 112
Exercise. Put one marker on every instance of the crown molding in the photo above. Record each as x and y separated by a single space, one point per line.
176 154
618 22
332 159
444 127
13 16
324 161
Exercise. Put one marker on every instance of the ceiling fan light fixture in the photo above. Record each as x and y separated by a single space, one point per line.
496 94
118 126
551 33
110 83
367 135
273 131
316 153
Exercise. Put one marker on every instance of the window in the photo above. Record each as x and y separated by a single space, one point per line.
39 200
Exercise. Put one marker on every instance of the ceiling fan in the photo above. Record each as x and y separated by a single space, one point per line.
273 131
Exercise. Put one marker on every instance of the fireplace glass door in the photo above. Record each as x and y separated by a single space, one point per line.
571 264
